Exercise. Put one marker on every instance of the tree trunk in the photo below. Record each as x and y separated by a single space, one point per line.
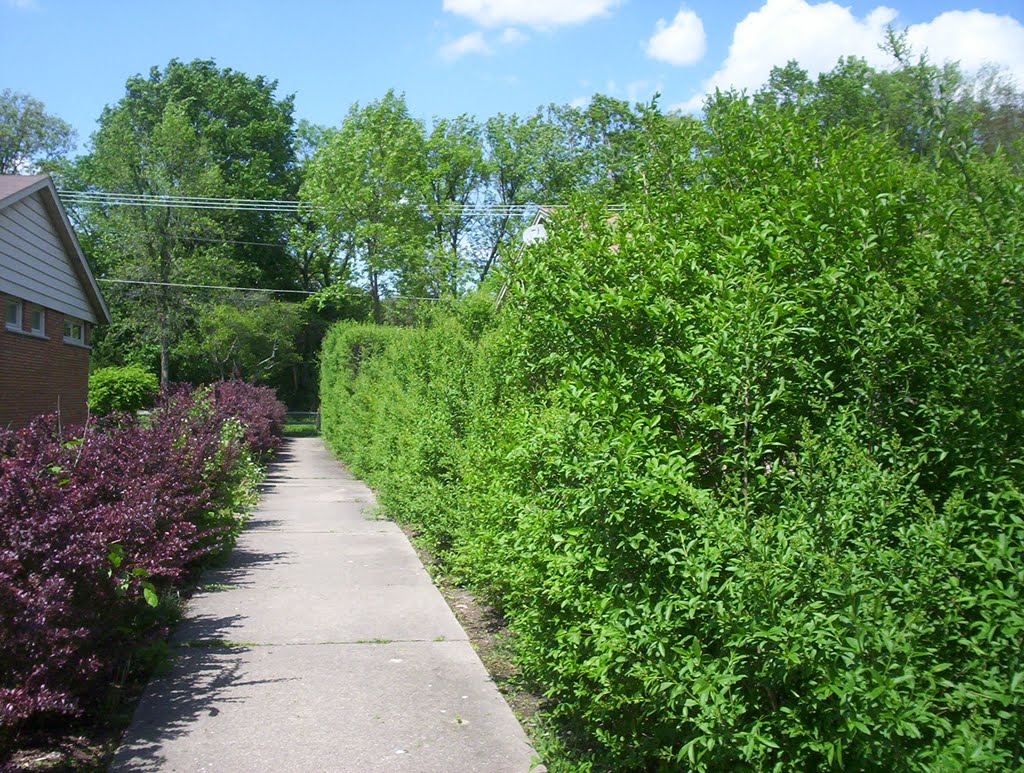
163 306
378 317
164 349
494 250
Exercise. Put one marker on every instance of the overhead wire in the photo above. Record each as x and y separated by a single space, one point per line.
277 206
201 286
211 240
106 198
74 198
189 286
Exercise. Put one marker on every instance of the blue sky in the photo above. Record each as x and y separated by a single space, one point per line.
473 56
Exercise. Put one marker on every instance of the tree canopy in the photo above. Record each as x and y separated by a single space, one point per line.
29 135
188 130
391 205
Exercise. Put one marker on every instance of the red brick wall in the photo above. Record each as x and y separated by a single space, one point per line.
37 375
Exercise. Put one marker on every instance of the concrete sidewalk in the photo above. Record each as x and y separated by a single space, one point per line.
322 646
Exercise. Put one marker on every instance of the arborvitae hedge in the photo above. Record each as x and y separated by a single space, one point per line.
741 464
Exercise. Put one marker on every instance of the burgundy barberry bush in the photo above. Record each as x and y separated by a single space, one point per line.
89 515
257 408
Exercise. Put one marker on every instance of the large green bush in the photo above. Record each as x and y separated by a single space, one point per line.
127 388
743 464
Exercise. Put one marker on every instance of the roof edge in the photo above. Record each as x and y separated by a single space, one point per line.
13 198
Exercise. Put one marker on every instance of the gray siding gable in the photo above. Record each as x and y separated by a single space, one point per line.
34 264
36 237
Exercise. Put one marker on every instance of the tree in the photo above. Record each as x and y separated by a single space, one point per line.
514 157
931 111
614 131
553 155
999 109
455 174
153 244
187 130
319 247
249 136
251 339
29 135
368 183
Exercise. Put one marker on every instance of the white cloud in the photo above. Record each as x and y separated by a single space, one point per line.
512 35
580 102
476 43
681 42
641 91
529 13
633 91
972 38
470 43
780 30
22 5
816 35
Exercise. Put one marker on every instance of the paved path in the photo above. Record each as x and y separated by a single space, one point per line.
322 646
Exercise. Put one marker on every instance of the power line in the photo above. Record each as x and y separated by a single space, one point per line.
203 287
79 198
108 198
249 289
211 240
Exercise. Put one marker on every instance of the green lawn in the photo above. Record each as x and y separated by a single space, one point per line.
300 426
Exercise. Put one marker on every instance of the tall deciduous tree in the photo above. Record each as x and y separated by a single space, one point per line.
28 134
153 244
921 105
251 338
455 175
249 135
320 248
602 142
186 130
368 182
514 155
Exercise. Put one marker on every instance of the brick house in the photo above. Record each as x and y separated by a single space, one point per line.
51 302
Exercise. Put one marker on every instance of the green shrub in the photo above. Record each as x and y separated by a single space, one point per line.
127 388
743 465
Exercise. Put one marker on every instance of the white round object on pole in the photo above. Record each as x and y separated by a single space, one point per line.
535 233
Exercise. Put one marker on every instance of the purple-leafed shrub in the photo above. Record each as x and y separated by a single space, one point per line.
257 408
63 509
93 521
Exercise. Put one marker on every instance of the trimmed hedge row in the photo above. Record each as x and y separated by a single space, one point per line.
743 466
96 523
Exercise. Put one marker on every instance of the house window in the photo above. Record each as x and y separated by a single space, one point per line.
38 321
14 315
74 331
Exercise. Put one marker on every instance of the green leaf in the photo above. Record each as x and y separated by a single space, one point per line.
115 555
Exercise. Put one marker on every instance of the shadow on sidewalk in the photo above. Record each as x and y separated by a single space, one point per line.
205 664
202 674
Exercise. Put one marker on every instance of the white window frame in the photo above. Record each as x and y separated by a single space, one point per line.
41 330
69 326
20 307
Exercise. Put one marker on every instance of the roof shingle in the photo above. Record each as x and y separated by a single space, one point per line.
12 183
